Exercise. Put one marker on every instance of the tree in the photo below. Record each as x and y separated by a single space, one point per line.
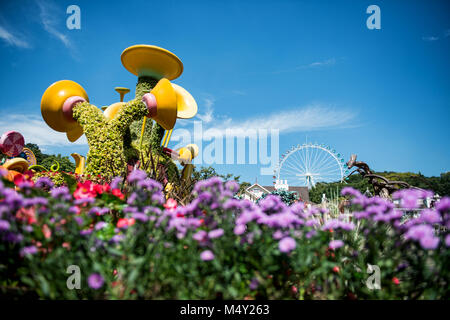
440 185
209 172
64 163
288 197
47 160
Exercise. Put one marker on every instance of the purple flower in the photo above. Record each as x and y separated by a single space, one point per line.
100 225
409 197
214 184
95 281
447 240
287 244
61 193
25 185
83 201
215 233
4 225
28 251
254 284
115 183
13 237
418 232
349 191
44 182
35 201
200 235
311 234
233 204
116 238
239 229
85 232
140 216
137 175
272 204
430 216
233 186
277 235
78 220
207 255
347 226
158 197
12 199
96 211
443 205
335 244
150 185
312 223
28 228
429 242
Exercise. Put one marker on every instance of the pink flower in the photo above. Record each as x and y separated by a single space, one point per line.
335 244
124 222
200 235
217 233
85 190
239 229
27 214
287 244
171 204
207 255
46 231
429 242
118 194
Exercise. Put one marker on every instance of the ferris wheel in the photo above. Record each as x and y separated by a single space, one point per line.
308 164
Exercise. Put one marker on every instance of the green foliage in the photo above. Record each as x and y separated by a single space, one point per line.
440 185
329 189
37 152
288 197
208 172
47 160
106 156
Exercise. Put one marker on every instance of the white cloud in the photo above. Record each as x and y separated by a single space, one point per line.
208 115
12 39
47 14
430 38
35 130
316 64
308 118
328 62
445 34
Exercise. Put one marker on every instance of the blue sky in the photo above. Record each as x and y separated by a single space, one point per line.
312 68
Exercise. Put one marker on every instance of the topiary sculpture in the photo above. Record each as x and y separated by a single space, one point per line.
120 135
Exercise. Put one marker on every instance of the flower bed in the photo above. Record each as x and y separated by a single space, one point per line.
129 241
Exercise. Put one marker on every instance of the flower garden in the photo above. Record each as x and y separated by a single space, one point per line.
132 223
131 242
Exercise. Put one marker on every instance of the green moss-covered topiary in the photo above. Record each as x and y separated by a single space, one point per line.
106 156
114 143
